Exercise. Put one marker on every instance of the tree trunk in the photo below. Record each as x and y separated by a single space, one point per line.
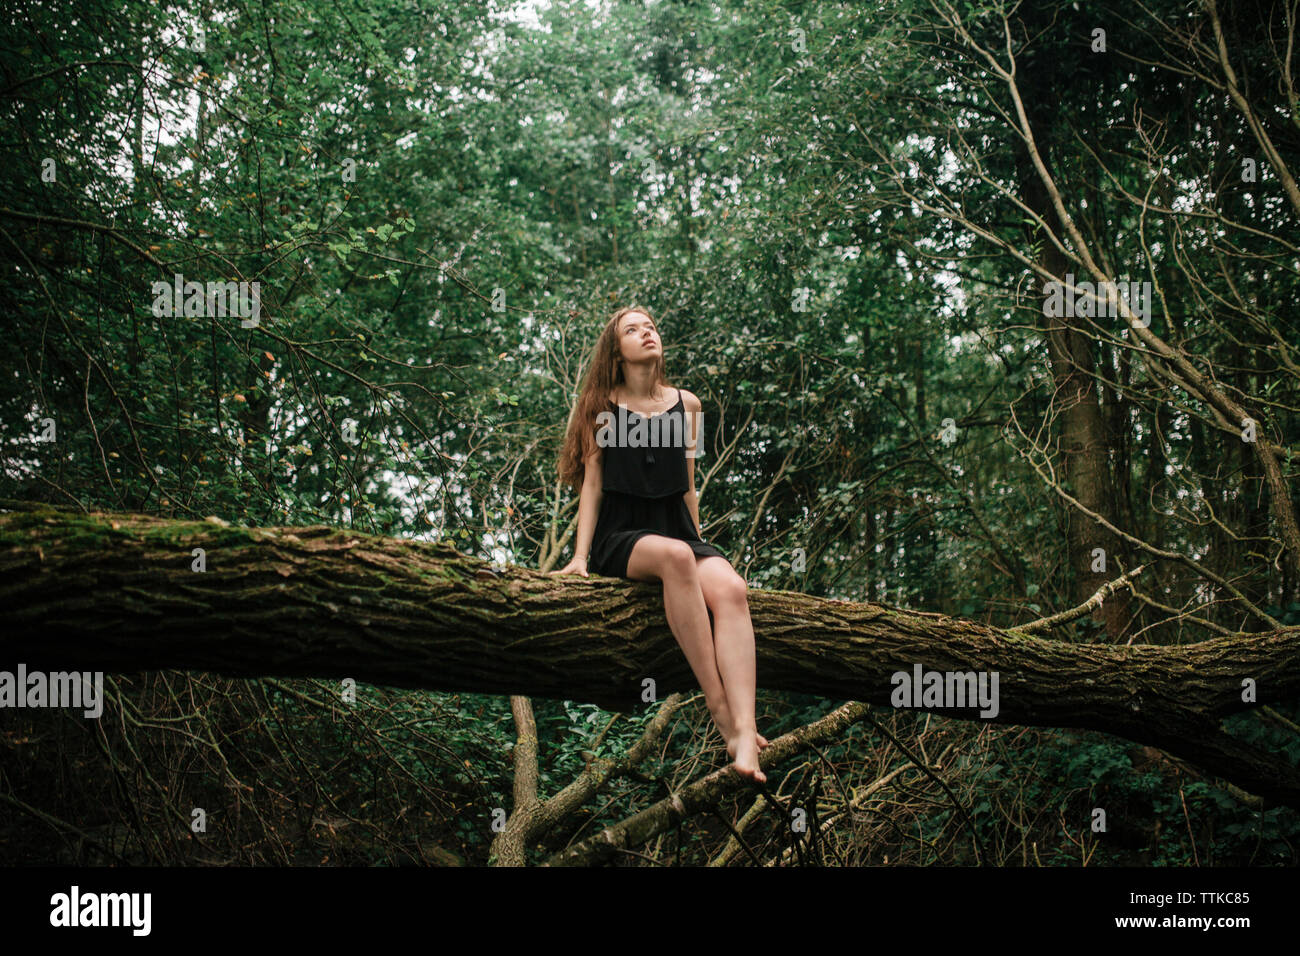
1079 429
116 593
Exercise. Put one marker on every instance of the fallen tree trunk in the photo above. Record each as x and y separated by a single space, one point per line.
120 593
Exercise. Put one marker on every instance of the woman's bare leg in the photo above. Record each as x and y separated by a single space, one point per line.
726 595
661 558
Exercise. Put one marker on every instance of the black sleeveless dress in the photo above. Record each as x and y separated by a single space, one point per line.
644 492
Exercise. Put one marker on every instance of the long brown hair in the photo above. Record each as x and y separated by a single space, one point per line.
604 371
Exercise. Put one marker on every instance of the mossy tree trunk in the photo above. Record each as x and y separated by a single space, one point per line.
118 593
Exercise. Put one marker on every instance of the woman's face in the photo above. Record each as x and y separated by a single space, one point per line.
638 339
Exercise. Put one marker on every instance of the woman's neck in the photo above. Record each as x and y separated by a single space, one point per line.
639 382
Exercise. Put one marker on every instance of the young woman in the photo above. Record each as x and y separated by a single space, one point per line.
638 518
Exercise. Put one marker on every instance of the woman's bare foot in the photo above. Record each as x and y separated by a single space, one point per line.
746 761
731 745
722 720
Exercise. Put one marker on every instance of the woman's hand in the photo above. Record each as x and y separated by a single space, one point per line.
576 566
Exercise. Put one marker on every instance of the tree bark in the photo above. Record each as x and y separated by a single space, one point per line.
116 593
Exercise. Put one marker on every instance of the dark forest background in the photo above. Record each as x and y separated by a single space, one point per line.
841 215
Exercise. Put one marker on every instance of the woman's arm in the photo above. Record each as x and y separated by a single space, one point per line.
589 505
693 502
693 408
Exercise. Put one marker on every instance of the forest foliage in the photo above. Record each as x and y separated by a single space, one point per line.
841 216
